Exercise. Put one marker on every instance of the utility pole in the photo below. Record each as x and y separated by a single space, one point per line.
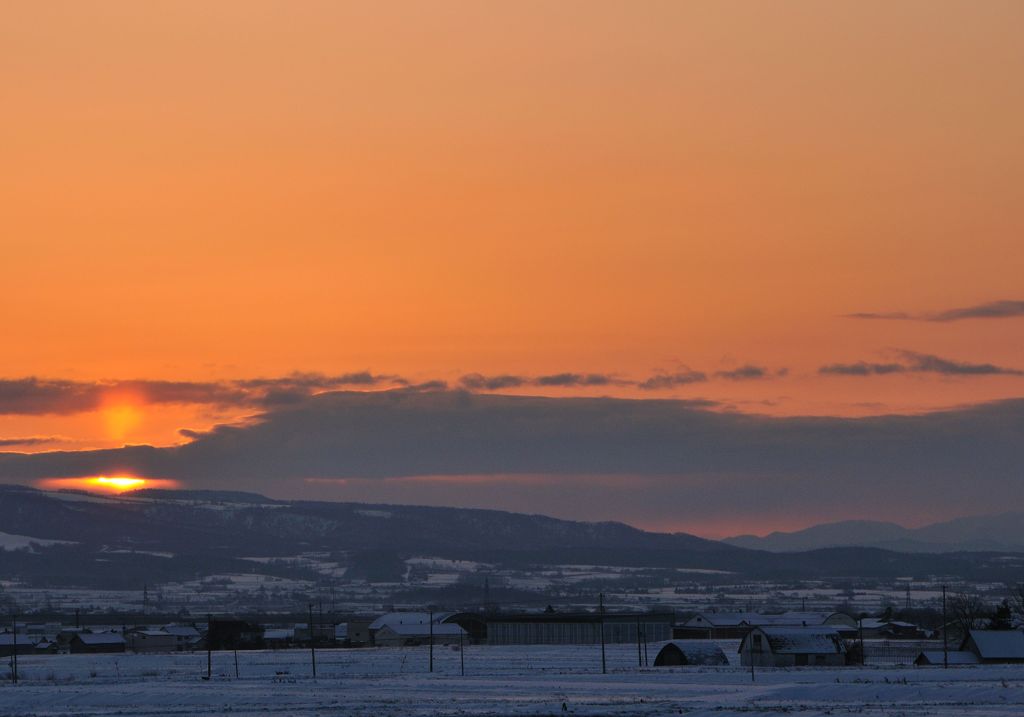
639 654
312 646
750 651
860 630
945 630
600 608
209 647
14 648
431 639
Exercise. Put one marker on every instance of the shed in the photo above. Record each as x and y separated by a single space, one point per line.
793 647
690 652
995 646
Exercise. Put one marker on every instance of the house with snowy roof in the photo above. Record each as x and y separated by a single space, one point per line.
95 642
995 646
787 646
401 620
20 643
408 635
717 625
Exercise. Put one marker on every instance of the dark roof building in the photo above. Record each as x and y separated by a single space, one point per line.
577 628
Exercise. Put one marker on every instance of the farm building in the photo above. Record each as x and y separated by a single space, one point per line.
95 642
578 628
774 646
400 620
187 636
408 635
731 625
878 629
276 638
20 644
995 646
690 652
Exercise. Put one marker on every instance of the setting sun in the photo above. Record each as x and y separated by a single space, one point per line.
106 484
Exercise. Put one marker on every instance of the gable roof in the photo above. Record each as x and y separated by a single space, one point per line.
724 619
799 640
997 644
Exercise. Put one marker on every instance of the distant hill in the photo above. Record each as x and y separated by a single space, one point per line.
1004 532
150 537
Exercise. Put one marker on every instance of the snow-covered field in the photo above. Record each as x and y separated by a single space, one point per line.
517 680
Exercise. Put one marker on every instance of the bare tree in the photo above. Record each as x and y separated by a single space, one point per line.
1016 602
968 612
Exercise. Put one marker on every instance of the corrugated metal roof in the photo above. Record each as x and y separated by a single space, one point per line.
799 640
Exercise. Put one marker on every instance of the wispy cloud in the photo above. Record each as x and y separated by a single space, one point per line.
744 373
663 381
913 362
480 382
41 396
1006 309
30 441
574 379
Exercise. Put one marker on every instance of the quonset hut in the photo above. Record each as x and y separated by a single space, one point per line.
690 652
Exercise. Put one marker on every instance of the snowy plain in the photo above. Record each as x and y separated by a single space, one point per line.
513 680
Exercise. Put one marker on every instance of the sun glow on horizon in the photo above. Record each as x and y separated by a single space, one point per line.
107 484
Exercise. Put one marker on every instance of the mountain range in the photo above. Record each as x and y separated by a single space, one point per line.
1004 532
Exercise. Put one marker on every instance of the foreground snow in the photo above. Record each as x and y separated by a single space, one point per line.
499 681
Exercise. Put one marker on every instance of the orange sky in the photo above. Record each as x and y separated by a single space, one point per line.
198 191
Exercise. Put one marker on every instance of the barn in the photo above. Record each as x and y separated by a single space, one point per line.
690 652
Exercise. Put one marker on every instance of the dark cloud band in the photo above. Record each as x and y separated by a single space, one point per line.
913 362
1006 309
